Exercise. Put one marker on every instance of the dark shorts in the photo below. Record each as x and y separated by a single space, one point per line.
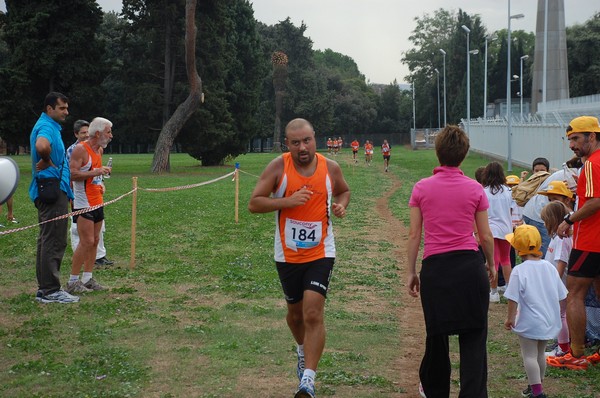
386 157
355 151
95 215
584 264
296 278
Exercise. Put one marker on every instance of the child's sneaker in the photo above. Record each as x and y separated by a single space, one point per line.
494 297
556 352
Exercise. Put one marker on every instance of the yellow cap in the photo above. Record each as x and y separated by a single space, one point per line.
557 188
512 180
583 124
526 240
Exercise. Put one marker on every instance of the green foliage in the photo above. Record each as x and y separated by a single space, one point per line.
52 47
231 69
442 30
584 67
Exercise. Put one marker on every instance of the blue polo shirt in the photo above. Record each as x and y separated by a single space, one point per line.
49 129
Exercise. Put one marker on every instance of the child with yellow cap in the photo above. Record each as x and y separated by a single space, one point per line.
536 290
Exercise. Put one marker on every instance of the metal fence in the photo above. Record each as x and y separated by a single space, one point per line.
539 135
529 141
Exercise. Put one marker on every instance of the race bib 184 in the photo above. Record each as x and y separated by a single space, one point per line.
302 234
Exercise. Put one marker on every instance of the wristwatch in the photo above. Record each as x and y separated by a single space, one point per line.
568 219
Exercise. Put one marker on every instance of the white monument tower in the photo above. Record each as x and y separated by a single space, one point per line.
550 55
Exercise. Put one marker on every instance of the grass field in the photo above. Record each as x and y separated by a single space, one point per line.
202 313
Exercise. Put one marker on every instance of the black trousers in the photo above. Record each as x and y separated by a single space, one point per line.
435 368
455 298
51 244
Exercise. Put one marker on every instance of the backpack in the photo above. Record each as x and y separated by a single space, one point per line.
528 188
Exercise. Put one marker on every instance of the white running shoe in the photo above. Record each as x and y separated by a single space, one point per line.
494 297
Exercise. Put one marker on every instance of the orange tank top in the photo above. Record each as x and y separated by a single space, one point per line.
89 191
304 233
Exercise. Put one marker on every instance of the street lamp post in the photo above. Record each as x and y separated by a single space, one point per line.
521 84
414 110
468 31
508 99
444 54
438 102
485 78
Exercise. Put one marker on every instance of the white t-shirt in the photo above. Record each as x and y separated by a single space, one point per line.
516 214
499 212
537 289
559 249
533 208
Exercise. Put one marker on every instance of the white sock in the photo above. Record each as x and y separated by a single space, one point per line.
86 277
309 375
300 350
494 290
73 278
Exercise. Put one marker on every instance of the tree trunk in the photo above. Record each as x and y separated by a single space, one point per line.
167 83
277 128
171 129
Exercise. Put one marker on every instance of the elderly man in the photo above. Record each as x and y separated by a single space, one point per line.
86 174
80 130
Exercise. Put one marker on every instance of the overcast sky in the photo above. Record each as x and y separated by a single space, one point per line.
375 32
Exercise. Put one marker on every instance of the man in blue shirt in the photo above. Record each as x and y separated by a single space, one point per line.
48 160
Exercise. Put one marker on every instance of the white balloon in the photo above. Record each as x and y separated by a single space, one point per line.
9 178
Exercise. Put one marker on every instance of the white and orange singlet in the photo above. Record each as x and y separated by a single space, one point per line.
304 233
89 191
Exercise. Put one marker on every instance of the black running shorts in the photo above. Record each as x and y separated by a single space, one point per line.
296 278
584 264
95 215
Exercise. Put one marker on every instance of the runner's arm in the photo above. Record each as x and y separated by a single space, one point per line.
261 200
79 157
341 190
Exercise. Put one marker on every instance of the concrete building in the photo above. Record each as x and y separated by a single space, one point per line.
557 73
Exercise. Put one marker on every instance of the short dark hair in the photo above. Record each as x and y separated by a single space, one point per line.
451 146
574 162
543 161
479 174
52 99
79 124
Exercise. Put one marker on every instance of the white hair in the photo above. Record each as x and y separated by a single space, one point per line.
98 125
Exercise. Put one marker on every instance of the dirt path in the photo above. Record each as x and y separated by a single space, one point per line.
410 314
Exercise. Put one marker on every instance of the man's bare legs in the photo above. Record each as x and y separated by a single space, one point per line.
576 316
85 253
305 320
